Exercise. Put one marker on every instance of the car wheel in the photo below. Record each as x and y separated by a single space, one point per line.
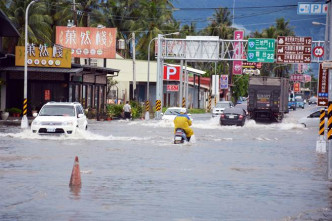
304 125
220 123
86 127
303 107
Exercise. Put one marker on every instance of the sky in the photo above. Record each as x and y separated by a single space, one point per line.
249 18
252 15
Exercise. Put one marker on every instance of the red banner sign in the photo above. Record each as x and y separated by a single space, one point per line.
297 87
87 42
238 52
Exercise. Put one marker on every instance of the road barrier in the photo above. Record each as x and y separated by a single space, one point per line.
147 106
158 105
25 106
209 104
322 122
183 102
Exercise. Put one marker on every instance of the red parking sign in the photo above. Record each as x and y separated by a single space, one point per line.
171 73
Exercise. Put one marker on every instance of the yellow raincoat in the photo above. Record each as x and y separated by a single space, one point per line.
183 121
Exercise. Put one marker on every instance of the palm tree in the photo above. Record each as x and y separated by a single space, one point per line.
154 17
39 29
220 24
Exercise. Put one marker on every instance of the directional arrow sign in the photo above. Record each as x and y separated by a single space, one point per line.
323 82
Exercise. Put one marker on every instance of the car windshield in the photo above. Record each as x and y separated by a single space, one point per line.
299 99
222 105
172 111
57 110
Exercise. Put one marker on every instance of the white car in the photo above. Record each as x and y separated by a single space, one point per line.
220 107
59 118
312 120
171 113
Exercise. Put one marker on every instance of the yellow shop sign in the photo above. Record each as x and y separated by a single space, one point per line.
43 56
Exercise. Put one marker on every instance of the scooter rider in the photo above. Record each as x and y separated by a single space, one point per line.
183 121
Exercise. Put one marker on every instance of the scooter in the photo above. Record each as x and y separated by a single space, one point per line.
180 136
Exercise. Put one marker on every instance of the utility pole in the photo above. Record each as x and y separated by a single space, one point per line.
134 65
328 39
76 60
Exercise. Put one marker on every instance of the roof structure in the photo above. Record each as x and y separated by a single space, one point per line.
7 28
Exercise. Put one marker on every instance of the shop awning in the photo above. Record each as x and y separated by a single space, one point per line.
7 28
37 69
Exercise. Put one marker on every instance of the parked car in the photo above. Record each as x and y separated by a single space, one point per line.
313 100
233 116
292 105
171 113
220 107
312 120
59 118
299 102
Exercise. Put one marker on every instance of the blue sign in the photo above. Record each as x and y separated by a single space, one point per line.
224 82
312 8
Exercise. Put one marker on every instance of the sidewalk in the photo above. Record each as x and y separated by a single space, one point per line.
14 121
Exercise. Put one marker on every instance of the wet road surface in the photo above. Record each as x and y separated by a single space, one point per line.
133 171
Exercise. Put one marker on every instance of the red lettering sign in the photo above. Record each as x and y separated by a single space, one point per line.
172 87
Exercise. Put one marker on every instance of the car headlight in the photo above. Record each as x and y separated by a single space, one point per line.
68 123
35 122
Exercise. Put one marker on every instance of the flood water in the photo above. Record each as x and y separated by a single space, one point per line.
133 171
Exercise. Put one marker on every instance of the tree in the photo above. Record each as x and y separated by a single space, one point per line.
220 24
39 25
240 86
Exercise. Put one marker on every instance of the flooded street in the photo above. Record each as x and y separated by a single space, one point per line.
133 171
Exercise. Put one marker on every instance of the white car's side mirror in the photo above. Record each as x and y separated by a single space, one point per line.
80 115
161 114
35 114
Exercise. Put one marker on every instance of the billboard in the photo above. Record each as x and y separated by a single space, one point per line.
87 42
43 56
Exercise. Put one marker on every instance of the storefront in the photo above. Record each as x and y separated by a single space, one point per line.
81 83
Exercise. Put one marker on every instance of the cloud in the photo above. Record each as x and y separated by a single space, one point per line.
241 27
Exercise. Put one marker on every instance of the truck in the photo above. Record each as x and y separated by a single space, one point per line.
268 98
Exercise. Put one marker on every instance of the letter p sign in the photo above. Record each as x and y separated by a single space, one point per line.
171 73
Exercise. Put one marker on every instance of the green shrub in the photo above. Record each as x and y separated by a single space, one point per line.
196 111
14 110
114 110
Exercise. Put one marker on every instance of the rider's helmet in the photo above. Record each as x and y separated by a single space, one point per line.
183 111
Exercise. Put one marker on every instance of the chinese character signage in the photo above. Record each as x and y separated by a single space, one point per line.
172 87
43 56
323 90
224 82
297 77
238 52
87 42
261 50
297 87
291 49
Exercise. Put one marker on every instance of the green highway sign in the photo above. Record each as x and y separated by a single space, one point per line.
261 50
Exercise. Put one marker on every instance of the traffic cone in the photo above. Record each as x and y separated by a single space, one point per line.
75 179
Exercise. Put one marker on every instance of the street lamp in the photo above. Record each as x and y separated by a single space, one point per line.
148 80
318 23
24 121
